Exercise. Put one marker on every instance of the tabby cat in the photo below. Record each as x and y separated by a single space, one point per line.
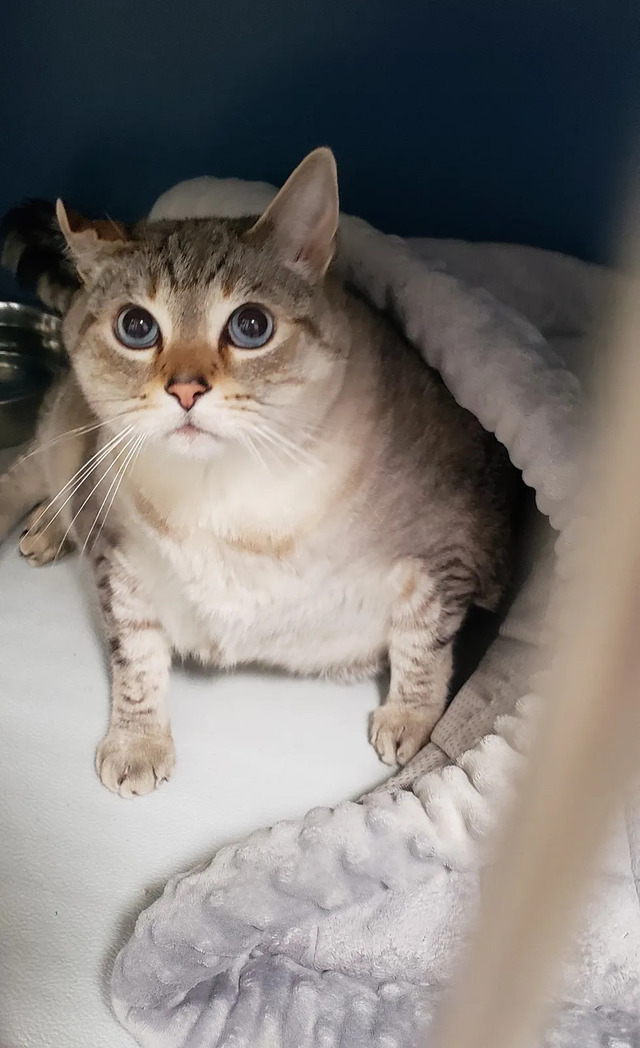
256 465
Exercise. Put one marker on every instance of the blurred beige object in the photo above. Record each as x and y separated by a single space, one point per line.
588 750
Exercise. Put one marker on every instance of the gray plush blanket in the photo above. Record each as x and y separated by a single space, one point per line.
342 928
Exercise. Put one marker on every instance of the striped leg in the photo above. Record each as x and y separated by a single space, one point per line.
137 753
424 622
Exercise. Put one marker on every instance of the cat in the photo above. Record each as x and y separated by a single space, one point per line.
257 466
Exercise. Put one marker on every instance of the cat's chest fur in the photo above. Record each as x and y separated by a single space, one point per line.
251 571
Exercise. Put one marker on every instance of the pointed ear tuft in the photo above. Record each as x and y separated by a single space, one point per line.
87 240
303 218
63 219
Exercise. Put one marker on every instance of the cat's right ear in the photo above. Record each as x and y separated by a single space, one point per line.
87 240
303 217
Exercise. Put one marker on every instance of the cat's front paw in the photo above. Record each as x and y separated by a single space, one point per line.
44 539
397 733
131 764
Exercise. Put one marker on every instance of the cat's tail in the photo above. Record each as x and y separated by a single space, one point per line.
33 249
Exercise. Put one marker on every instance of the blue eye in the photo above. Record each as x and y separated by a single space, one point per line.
136 328
250 327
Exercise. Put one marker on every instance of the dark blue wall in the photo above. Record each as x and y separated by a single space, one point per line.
501 119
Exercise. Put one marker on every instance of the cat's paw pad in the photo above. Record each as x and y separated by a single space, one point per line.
43 539
132 764
398 733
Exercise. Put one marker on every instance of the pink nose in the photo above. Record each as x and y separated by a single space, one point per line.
186 393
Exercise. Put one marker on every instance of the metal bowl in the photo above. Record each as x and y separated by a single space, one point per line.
31 355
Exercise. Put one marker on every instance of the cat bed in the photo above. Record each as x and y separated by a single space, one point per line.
342 927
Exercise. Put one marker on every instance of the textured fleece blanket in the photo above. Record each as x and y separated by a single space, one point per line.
342 928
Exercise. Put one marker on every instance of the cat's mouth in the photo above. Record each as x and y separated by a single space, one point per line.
188 430
192 433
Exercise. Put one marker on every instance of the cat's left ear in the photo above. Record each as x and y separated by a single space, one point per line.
303 218
88 240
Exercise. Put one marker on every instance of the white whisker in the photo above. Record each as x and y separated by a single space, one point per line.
79 478
119 477
284 415
290 444
275 449
106 473
298 455
268 445
249 444
78 431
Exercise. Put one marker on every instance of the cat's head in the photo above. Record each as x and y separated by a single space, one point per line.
206 333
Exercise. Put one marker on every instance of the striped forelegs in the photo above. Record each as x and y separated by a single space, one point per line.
424 621
137 753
